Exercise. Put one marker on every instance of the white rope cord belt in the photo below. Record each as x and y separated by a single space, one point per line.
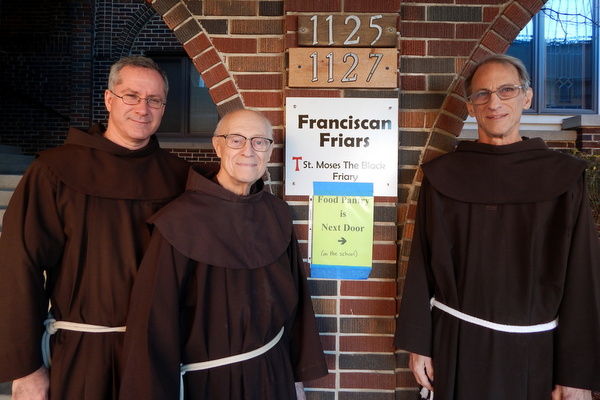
219 362
52 326
548 326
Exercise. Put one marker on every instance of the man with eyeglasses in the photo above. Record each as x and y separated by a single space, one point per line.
501 296
221 308
73 236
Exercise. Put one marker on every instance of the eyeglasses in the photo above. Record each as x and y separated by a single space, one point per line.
505 92
133 99
235 141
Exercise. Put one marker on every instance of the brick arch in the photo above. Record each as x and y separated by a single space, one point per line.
139 19
203 54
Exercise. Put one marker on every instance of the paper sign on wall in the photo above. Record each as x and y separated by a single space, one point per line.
342 230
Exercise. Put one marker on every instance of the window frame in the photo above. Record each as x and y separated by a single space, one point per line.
538 75
184 102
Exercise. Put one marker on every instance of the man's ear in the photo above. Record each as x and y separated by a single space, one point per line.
216 145
470 108
108 100
528 99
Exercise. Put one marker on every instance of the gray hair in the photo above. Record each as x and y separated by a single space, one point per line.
500 59
114 78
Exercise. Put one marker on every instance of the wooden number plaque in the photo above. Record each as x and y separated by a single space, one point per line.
343 67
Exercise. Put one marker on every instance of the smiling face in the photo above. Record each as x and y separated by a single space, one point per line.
241 168
131 126
498 120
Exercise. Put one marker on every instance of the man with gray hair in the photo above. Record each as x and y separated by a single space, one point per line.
73 236
501 296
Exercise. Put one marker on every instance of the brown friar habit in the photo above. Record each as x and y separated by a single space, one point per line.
221 277
78 215
505 234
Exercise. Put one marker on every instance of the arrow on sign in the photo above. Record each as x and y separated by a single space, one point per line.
342 241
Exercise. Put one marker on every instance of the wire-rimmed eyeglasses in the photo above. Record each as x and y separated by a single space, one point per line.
505 92
133 99
235 141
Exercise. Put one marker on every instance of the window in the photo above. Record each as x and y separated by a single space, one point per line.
190 111
559 47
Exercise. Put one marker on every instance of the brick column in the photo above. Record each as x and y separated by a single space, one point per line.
588 132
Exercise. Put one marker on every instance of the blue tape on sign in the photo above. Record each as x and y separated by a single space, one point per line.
343 188
339 272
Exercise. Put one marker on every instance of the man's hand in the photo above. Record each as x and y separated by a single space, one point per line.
569 393
300 395
422 368
32 387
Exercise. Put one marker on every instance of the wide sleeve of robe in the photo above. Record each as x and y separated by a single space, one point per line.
152 342
414 328
306 350
32 241
577 343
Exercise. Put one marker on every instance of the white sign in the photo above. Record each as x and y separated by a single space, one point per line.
341 140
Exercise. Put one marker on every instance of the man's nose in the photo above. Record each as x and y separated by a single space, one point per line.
495 100
247 147
142 106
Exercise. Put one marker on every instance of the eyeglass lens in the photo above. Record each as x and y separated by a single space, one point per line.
238 141
133 99
504 93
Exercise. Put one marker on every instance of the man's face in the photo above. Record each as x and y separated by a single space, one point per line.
132 125
240 168
498 120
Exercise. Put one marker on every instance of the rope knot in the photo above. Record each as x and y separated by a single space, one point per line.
50 328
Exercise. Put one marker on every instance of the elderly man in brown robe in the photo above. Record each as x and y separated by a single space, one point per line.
221 307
